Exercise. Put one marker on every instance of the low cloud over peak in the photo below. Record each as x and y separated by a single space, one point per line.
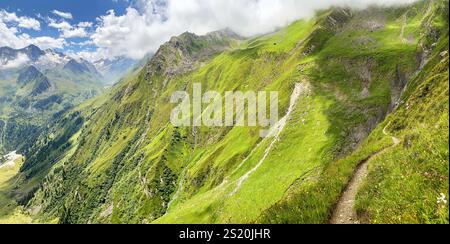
147 24
143 25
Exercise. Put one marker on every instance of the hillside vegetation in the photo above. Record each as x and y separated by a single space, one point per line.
348 81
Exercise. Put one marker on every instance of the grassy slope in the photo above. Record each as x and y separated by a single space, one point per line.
125 164
326 128
10 213
421 163
404 183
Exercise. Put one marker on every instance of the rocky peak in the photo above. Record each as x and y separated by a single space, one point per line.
33 52
181 53
41 86
224 34
338 17
76 67
28 75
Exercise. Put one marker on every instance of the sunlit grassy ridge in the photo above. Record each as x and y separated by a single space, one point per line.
117 158
321 127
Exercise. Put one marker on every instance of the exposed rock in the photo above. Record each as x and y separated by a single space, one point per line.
28 75
182 53
76 67
41 86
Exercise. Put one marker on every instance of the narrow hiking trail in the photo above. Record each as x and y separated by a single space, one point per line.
345 212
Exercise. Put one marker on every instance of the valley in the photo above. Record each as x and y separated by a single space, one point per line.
362 135
10 212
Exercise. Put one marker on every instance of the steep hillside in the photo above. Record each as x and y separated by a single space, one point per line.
118 159
36 92
406 155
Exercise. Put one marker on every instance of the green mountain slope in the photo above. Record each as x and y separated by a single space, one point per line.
118 159
404 180
30 98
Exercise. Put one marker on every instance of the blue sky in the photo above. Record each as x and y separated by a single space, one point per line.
80 10
94 29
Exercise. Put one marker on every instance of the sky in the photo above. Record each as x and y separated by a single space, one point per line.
95 29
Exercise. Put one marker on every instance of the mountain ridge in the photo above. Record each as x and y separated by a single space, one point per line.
117 159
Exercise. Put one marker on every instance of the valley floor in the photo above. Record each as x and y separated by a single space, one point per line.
10 213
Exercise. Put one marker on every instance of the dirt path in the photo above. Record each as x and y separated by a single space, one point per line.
345 212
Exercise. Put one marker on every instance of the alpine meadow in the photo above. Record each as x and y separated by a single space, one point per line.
340 116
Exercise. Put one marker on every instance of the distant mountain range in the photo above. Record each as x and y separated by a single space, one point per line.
32 55
108 71
37 85
113 69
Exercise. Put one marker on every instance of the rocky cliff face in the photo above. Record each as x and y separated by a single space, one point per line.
28 75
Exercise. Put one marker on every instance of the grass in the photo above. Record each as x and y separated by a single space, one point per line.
404 184
126 163
404 181
10 212
290 179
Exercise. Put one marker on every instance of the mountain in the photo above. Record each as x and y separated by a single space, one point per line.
41 86
75 67
363 97
28 75
32 75
89 66
34 88
32 52
32 55
114 69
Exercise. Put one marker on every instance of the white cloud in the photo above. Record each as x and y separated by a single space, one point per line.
69 31
63 25
11 37
46 42
85 24
22 21
20 60
148 24
83 43
65 15
76 32
87 55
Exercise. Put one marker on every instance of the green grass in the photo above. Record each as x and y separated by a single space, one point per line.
10 212
404 184
125 163
292 169
404 181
